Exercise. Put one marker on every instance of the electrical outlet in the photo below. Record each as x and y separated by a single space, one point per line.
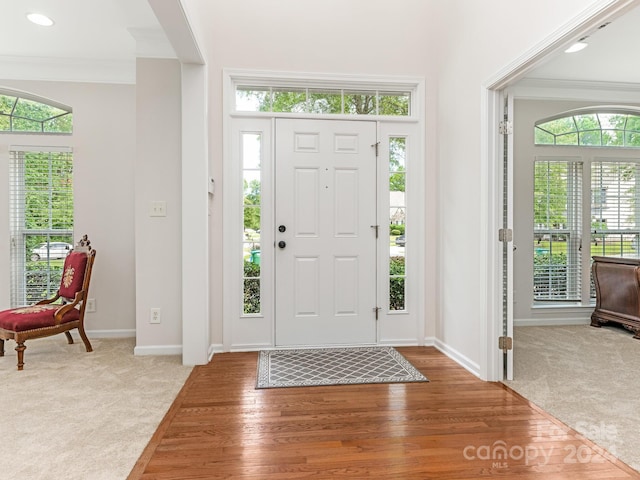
155 315
91 305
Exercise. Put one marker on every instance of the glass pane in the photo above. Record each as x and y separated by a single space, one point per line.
567 139
63 124
396 293
6 104
253 99
251 187
587 122
590 138
543 138
325 101
5 123
633 123
360 103
396 265
289 100
612 138
251 295
22 125
559 126
44 261
397 154
252 265
632 139
394 104
612 121
36 110
251 150
252 219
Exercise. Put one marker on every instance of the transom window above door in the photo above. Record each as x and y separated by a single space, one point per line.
324 96
322 101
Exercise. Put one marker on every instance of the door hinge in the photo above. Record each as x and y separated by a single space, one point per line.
505 235
505 344
377 228
377 144
377 311
505 127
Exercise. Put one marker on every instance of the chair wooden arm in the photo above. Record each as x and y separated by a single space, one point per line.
49 300
62 311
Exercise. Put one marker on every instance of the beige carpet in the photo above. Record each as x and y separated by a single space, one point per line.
587 378
76 415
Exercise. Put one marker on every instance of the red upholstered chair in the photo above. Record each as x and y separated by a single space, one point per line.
47 318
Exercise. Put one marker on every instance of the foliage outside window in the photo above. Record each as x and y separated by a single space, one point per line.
26 115
557 230
397 223
590 128
251 144
322 101
41 200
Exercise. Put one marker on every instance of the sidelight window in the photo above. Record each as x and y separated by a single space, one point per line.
251 146
397 223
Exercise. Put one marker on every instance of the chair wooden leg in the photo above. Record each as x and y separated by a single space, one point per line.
1 348
20 349
85 339
69 337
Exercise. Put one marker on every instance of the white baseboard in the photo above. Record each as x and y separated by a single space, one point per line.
111 333
457 357
157 350
213 349
546 322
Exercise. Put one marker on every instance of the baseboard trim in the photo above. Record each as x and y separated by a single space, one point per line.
111 333
546 322
460 359
213 349
157 350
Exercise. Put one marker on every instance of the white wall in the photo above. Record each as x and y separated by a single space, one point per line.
476 40
104 151
355 37
158 240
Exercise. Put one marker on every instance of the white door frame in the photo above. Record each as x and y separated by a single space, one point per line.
240 332
491 365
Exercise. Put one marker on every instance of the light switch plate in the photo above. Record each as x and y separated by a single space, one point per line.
158 208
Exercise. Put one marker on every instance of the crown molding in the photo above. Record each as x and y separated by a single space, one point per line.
87 70
544 88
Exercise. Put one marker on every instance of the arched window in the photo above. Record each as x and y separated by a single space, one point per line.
568 230
601 126
25 113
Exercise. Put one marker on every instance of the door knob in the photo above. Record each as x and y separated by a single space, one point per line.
282 244
282 229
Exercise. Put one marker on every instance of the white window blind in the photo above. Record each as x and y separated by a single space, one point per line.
41 220
557 265
615 208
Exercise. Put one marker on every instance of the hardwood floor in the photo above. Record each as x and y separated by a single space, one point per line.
454 427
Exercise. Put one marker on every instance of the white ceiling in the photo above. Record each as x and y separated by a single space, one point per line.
89 37
610 57
96 39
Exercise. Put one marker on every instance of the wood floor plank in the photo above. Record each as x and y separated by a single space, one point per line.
453 427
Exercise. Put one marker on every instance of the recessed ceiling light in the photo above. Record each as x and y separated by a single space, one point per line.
576 47
40 19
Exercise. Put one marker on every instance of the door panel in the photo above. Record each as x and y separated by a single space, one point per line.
326 202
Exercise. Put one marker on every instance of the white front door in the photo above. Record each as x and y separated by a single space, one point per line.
325 240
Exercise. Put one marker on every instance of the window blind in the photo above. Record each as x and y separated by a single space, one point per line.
557 265
41 220
615 208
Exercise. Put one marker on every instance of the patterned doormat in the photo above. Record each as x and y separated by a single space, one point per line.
334 366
